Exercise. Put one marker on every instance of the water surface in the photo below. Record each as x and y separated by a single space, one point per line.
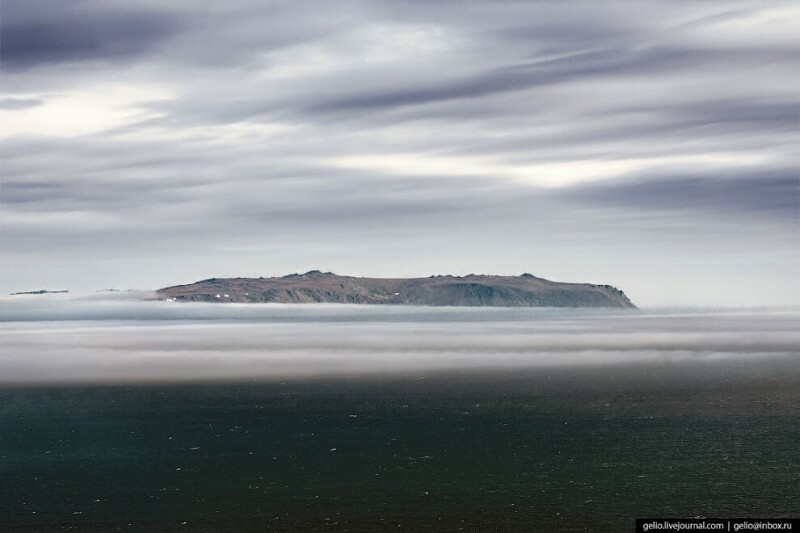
138 416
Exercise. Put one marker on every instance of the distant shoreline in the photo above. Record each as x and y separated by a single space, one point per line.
41 291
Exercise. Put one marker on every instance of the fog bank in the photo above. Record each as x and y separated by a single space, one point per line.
69 340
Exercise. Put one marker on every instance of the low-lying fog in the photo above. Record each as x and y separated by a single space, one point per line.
117 338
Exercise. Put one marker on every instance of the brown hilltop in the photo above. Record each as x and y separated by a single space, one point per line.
472 290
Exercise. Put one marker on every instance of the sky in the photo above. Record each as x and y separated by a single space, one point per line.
649 145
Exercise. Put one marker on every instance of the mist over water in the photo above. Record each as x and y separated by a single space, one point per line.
118 338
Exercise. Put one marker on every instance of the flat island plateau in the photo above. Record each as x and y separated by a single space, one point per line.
526 290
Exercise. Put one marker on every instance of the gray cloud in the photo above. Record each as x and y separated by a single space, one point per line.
746 113
770 194
65 32
19 103
600 64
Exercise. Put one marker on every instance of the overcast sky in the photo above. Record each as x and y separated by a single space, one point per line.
649 145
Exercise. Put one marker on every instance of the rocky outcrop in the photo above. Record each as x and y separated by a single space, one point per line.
472 290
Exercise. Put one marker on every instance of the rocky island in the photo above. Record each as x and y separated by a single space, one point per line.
526 290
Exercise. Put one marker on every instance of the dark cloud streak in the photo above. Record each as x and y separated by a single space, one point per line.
67 32
771 194
19 103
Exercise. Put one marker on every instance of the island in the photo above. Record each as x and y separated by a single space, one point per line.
40 291
526 290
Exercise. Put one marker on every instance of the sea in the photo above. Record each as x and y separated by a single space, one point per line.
118 414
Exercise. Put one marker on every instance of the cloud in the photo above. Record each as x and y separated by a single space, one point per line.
19 103
573 67
243 137
771 194
58 32
112 338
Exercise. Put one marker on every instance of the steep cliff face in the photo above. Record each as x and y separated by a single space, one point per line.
473 290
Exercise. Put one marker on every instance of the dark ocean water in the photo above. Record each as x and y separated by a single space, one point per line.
142 416
545 450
